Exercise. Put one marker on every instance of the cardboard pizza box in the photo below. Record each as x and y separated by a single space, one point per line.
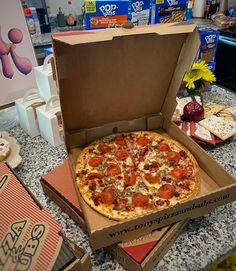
119 80
30 238
139 254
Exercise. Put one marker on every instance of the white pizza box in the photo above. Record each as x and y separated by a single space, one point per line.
50 122
45 80
117 80
26 110
32 233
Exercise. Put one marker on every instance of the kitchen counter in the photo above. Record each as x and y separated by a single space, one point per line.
45 38
204 23
204 239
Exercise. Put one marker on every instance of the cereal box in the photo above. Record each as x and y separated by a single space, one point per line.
139 11
106 13
167 11
209 40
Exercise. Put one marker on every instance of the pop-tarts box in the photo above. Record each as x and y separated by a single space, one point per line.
168 11
209 41
139 11
211 65
106 13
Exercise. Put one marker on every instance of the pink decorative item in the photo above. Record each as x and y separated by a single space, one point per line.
17 56
23 64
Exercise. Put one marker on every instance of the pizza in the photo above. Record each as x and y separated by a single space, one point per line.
130 174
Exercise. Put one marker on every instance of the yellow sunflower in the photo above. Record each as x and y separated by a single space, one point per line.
200 66
208 76
190 78
199 74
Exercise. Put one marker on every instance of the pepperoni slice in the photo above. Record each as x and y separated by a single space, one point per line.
130 179
108 196
166 191
178 173
93 175
151 179
121 155
140 200
95 161
113 170
142 141
104 148
119 140
173 156
163 147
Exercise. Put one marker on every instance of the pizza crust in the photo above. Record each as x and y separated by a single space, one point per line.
107 210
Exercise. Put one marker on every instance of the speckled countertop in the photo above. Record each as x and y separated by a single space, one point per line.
203 240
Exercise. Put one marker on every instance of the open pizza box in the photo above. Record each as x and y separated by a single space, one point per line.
30 238
117 80
139 254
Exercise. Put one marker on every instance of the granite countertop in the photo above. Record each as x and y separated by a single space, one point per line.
204 23
203 240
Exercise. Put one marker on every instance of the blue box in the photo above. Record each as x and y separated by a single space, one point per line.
209 39
139 11
211 65
168 11
105 13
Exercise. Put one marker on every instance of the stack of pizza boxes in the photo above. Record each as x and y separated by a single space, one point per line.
30 238
113 81
142 253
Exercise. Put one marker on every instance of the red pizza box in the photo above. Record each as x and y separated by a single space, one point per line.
139 254
30 238
111 81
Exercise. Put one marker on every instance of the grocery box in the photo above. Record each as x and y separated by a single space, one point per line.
168 11
105 13
139 254
30 239
26 110
209 40
137 92
139 11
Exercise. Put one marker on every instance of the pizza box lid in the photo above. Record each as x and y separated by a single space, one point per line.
112 75
137 250
30 237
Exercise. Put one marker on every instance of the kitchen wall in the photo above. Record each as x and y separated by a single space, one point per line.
53 6
232 3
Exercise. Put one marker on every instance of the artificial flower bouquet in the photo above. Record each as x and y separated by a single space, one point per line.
199 76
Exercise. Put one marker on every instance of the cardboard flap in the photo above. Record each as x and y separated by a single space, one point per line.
109 34
120 74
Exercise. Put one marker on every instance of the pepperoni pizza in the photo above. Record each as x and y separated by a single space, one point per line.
125 175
